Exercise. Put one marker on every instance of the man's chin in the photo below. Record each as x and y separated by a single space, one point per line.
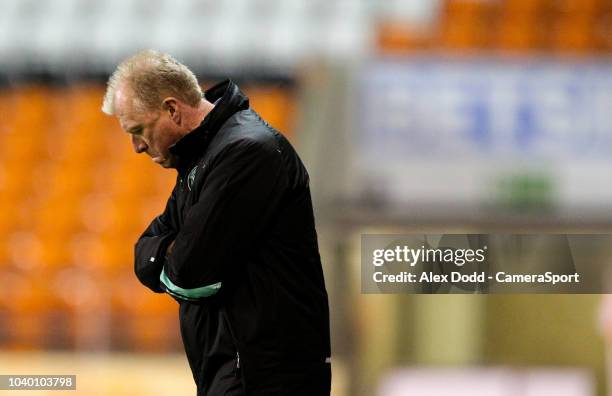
168 163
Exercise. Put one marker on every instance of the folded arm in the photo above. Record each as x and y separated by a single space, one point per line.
236 202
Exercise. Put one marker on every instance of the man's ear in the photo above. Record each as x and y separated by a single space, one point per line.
170 106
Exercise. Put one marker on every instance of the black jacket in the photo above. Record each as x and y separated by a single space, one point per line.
245 266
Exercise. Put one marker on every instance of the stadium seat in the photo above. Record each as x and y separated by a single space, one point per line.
473 9
275 105
602 32
86 251
397 38
136 309
525 8
463 34
519 34
579 7
574 33
26 300
465 24
55 252
25 251
57 216
17 214
83 308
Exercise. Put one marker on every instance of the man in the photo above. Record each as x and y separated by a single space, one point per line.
236 244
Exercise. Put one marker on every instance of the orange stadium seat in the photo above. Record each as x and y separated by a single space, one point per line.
86 251
465 24
136 309
8 100
88 98
163 183
397 37
83 306
463 34
57 216
519 34
602 32
133 176
4 252
118 252
33 105
525 8
27 300
80 149
95 211
101 213
10 215
22 147
102 253
574 33
579 7
275 105
55 252
474 9
17 213
149 209
70 179
24 250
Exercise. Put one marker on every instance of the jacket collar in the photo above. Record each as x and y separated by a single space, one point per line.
229 100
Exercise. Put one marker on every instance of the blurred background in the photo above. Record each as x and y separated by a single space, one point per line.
433 116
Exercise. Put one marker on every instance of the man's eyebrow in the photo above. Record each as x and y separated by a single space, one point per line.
135 128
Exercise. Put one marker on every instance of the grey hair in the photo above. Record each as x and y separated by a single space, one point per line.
151 76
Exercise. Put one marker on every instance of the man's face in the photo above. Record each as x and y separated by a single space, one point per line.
151 132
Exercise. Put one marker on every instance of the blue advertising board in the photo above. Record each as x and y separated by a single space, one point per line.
473 137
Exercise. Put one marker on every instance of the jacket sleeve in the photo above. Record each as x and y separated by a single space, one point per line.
237 200
150 249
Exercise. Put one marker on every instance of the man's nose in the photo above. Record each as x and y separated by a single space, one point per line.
138 144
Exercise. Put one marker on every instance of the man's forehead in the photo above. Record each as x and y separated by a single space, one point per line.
123 101
125 110
127 118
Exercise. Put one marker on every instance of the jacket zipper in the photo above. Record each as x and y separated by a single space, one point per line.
229 326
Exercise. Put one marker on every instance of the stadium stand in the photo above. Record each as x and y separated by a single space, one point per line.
74 199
